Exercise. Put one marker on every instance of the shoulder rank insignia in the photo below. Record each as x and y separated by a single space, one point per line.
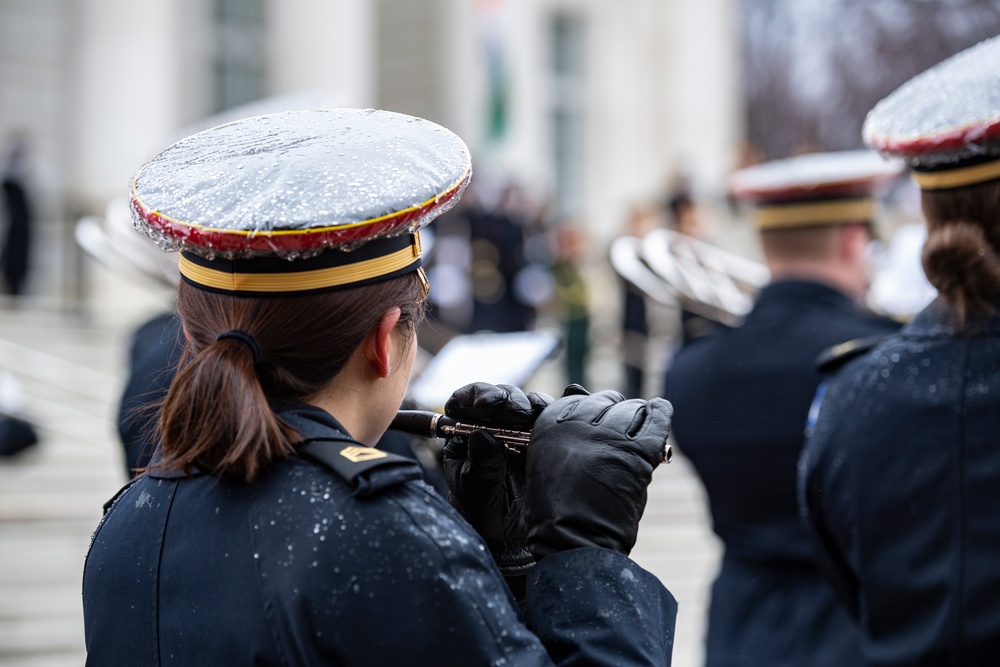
358 454
357 463
832 358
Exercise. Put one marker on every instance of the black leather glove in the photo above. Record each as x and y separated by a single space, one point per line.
588 464
486 480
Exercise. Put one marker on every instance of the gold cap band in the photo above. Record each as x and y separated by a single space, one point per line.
302 281
956 178
813 214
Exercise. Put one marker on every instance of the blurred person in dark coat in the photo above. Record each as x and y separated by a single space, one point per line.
478 258
497 237
16 432
900 478
683 217
634 323
573 295
742 396
16 243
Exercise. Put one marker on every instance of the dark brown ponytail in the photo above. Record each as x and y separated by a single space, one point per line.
217 416
962 255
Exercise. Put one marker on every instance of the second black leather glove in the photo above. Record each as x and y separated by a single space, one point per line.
588 464
485 479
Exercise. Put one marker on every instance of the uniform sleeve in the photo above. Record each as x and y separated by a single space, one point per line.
597 607
818 481
429 594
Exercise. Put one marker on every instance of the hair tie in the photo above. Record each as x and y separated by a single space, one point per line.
244 338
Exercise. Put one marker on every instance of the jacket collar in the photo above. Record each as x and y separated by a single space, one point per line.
936 320
309 420
805 290
312 422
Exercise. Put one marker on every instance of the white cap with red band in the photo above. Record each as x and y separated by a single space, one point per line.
945 122
813 189
340 194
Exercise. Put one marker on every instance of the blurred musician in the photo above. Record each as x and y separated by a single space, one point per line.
684 218
742 397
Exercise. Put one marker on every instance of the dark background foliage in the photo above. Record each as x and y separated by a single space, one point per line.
812 69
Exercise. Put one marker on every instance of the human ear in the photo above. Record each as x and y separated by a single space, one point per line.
378 344
854 240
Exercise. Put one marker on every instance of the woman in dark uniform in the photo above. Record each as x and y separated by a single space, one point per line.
268 530
901 478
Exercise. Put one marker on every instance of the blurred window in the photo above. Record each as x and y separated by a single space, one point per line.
410 41
566 109
239 53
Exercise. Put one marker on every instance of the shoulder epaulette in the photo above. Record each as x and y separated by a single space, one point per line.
365 469
111 501
832 358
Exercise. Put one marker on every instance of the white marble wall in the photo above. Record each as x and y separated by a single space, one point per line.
106 83
661 91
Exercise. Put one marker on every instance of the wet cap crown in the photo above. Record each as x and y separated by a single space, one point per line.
945 122
813 189
300 201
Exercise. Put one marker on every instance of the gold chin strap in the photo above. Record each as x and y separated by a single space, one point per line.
424 282
956 178
812 214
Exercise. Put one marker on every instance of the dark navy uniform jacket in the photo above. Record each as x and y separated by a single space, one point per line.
341 556
901 480
741 397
